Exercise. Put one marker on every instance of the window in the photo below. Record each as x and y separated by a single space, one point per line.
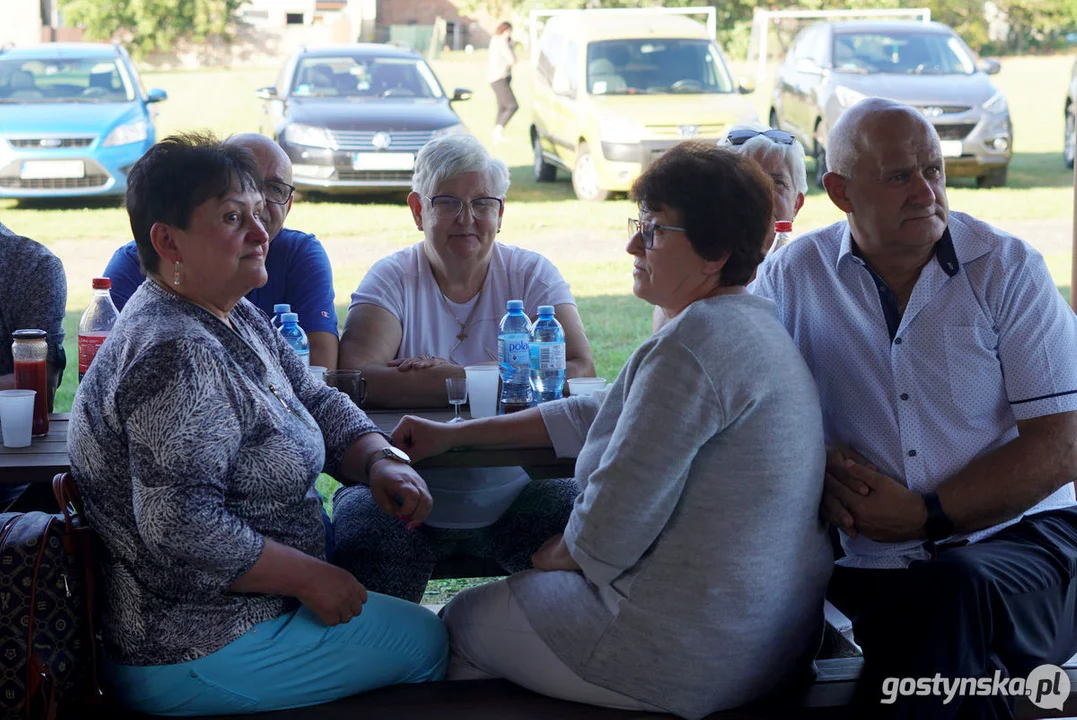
364 77
656 66
293 18
65 80
549 56
902 52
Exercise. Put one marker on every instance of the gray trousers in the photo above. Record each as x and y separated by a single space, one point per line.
506 100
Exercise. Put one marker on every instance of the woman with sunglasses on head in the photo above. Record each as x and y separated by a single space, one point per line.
418 317
691 574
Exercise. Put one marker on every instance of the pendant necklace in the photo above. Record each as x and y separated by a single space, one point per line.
462 335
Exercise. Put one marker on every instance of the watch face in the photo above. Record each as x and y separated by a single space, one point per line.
397 454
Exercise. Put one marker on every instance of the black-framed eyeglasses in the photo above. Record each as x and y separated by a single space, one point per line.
739 137
449 206
646 230
276 192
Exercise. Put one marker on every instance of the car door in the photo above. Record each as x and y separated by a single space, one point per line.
792 81
544 104
274 108
809 74
566 109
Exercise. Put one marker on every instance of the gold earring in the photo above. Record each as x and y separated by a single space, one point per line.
176 277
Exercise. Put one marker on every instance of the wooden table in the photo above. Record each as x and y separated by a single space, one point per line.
47 455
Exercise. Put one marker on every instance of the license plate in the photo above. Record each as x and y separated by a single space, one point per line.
51 169
383 161
951 148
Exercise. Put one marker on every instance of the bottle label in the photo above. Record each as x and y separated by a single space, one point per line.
88 347
548 356
515 355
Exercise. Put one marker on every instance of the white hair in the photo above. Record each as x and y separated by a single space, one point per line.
444 158
764 149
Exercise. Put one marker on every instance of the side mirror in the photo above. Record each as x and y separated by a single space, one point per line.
156 95
990 66
460 94
808 67
745 86
266 93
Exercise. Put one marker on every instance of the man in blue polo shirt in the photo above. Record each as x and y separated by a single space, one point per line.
298 268
946 362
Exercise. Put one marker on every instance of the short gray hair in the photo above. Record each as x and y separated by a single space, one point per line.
843 144
444 158
762 148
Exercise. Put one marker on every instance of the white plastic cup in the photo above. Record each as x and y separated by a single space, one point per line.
16 416
482 389
585 385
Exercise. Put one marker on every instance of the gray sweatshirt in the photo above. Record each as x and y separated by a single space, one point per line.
704 560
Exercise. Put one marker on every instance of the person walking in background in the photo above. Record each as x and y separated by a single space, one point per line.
502 58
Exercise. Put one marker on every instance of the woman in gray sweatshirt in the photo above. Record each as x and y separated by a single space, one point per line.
691 575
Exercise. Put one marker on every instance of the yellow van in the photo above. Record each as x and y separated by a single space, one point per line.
614 90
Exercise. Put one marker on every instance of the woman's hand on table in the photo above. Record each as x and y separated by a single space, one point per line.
554 555
421 438
331 593
400 492
420 362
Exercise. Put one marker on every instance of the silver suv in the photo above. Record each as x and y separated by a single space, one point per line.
831 66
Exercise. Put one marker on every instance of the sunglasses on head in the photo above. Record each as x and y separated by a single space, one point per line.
739 137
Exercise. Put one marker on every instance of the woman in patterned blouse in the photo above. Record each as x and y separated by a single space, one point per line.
195 440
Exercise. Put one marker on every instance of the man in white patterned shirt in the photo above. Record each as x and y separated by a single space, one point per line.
946 365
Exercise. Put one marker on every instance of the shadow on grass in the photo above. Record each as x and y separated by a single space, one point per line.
70 203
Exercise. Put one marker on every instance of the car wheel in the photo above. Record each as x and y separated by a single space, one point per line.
819 153
1068 141
585 177
774 119
994 178
543 171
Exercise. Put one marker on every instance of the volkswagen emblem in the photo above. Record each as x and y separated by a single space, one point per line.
381 141
50 142
688 130
931 111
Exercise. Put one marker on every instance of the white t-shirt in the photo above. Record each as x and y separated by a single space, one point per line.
403 283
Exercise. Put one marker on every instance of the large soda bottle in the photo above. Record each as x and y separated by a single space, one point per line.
96 323
278 310
547 356
514 358
295 336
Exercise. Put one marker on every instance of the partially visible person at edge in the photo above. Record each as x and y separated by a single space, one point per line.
501 58
691 575
195 440
34 297
782 157
299 270
418 317
945 361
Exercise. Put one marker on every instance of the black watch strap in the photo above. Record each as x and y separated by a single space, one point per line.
938 526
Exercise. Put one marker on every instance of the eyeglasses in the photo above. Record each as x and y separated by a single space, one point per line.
646 231
447 207
739 137
278 193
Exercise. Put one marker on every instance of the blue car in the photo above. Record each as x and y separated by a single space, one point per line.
74 118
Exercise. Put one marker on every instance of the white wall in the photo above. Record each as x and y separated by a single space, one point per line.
21 23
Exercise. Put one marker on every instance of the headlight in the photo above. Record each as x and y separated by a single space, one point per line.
618 129
451 130
847 96
299 134
997 104
128 133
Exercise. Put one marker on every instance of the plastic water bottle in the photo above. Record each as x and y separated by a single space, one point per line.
514 353
96 323
547 356
295 336
278 310
783 233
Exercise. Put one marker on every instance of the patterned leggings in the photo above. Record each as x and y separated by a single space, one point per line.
389 559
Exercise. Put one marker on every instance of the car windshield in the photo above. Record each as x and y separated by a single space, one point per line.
64 80
901 52
628 67
364 78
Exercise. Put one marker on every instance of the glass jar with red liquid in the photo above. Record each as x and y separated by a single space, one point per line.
31 373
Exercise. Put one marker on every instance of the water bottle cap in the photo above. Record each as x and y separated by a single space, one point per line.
515 305
290 317
545 310
783 226
281 308
102 284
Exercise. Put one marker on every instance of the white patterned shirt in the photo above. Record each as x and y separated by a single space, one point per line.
985 341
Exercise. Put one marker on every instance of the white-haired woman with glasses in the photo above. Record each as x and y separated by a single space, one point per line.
418 317
690 576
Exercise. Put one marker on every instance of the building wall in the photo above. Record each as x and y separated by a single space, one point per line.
21 22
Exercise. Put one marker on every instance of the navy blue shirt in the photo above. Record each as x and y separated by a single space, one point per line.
299 274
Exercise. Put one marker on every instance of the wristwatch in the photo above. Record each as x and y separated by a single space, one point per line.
938 526
387 453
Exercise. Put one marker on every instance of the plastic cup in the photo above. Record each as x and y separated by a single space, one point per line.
350 382
16 416
585 385
482 389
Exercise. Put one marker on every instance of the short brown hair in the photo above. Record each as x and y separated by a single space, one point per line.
503 27
725 199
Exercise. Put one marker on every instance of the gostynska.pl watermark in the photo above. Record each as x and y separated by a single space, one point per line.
1047 687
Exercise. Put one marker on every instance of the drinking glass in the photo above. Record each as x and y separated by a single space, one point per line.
457 387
